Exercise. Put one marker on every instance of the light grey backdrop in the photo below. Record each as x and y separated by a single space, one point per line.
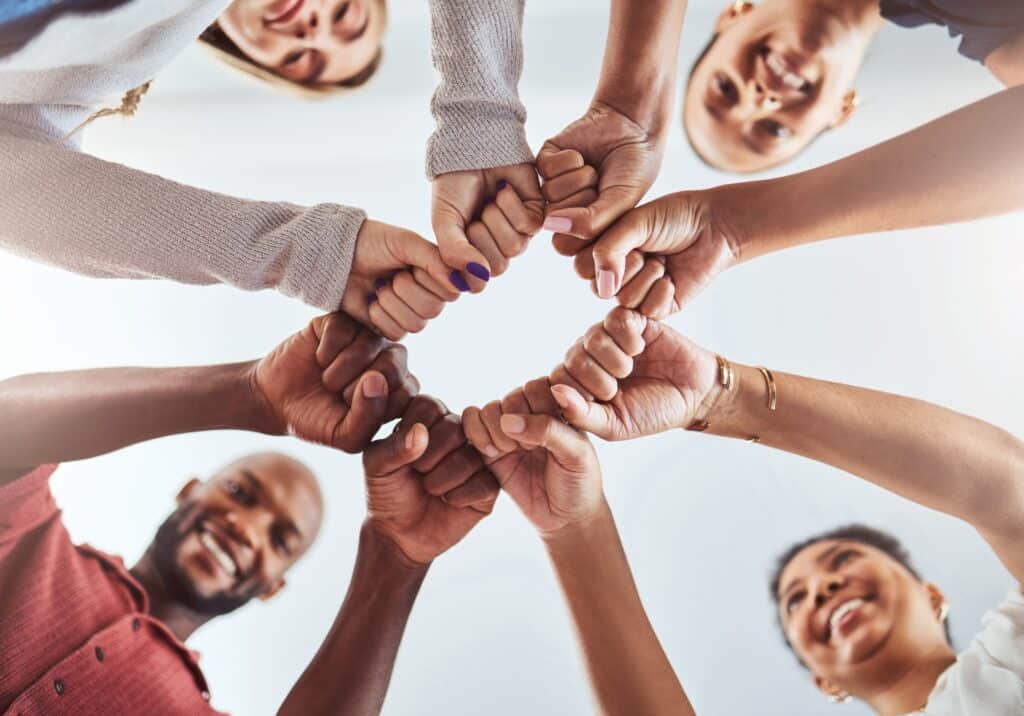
931 313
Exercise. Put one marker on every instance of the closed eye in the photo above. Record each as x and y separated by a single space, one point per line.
793 601
293 58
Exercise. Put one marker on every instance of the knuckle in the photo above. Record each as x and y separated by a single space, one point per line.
590 175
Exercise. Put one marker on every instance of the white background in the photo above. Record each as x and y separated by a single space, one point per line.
932 313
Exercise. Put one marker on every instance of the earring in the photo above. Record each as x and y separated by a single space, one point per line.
850 101
840 697
740 7
943 611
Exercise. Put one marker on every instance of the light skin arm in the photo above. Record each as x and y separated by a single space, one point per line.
647 378
963 166
1006 62
626 663
328 383
936 457
551 472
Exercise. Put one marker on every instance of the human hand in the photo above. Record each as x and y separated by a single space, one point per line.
398 281
659 256
603 145
630 376
500 228
548 468
426 488
334 383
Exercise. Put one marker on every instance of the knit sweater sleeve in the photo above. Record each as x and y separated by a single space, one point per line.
71 210
477 47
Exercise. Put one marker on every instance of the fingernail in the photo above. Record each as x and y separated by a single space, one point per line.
490 451
558 224
371 298
458 282
379 284
410 440
559 395
479 271
502 184
513 423
375 387
605 284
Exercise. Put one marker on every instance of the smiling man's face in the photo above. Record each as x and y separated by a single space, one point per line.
853 614
234 536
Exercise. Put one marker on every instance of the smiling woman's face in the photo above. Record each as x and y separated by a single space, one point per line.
307 41
774 78
853 614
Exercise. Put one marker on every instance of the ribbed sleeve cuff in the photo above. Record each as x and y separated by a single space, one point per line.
474 136
325 246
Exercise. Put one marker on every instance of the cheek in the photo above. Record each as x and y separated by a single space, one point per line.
243 23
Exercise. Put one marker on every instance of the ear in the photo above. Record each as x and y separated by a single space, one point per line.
733 13
833 692
846 109
938 600
272 590
187 490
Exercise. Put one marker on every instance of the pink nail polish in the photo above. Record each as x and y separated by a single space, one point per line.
605 284
558 224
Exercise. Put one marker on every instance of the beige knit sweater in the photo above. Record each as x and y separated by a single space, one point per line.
61 206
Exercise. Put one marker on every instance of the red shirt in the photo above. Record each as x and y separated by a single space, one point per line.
75 632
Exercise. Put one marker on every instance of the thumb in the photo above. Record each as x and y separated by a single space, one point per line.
400 449
457 253
568 446
416 252
590 222
611 250
367 414
586 415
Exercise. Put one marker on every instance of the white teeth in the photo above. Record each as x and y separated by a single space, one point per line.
779 69
222 557
844 609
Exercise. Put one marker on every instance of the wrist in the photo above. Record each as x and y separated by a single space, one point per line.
388 562
742 412
255 405
579 532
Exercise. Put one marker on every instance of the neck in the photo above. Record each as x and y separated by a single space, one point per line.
181 620
908 689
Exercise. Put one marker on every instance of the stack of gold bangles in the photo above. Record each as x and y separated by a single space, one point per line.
727 379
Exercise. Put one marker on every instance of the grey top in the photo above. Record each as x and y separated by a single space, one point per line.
478 51
981 25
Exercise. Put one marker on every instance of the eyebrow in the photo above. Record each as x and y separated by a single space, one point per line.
823 557
257 486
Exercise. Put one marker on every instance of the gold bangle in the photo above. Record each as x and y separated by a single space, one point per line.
727 379
769 380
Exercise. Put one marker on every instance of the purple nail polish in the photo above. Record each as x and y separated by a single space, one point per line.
502 184
379 284
479 271
371 298
458 282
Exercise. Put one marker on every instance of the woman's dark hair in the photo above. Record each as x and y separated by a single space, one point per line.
862 534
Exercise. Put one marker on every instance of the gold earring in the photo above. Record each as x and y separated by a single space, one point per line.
943 611
850 101
740 7
840 697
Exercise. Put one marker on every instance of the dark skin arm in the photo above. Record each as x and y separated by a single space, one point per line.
318 385
426 489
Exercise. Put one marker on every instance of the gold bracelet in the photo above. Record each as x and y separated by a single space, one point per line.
727 379
769 380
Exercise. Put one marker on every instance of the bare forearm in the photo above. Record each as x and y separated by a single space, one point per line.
350 673
963 166
628 668
936 457
57 417
640 59
1006 62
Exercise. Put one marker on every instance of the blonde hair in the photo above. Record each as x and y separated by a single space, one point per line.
129 106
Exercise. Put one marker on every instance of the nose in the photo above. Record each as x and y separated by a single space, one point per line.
755 101
240 528
826 588
309 24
